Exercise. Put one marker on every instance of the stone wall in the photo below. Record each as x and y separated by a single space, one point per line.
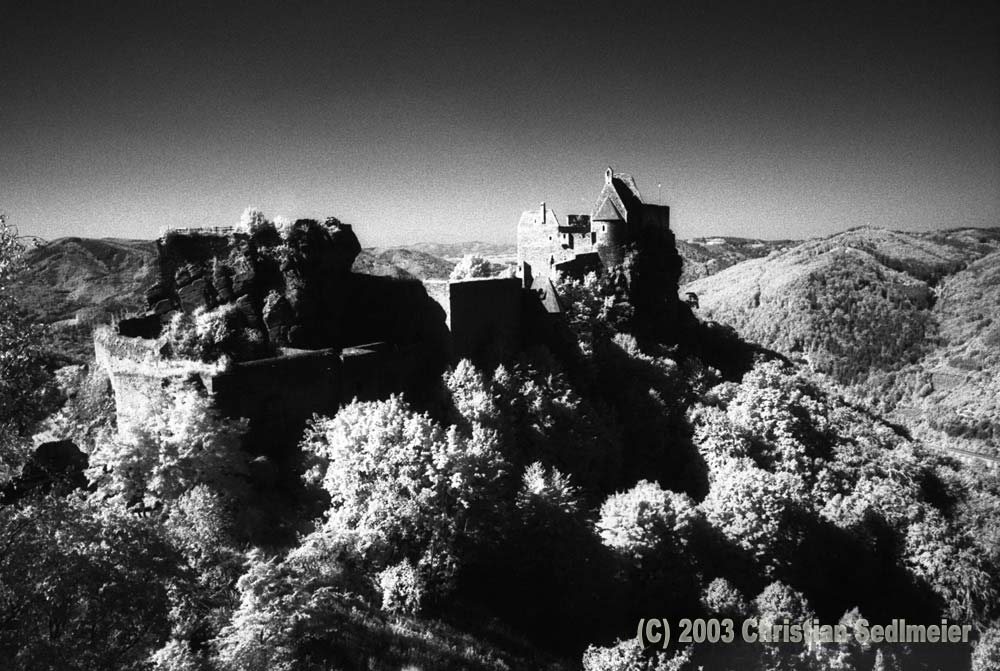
538 242
486 316
331 335
293 287
140 379
277 394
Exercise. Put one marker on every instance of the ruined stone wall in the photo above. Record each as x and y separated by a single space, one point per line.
140 380
486 319
295 290
277 394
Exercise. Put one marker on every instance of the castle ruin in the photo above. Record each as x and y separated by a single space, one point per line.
303 334
621 230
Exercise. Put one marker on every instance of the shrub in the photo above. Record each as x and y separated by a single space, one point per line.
472 266
628 655
402 588
209 334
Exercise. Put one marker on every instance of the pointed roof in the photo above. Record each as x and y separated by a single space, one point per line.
618 196
608 210
535 217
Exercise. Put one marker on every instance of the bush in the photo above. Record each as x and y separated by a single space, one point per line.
472 266
209 334
628 655
402 588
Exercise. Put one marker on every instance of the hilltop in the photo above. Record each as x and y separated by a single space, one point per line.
707 256
67 275
901 322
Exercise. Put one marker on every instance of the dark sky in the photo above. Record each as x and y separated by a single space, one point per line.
427 121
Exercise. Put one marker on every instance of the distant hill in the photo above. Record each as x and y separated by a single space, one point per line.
906 324
707 256
74 283
403 262
454 251
901 322
68 275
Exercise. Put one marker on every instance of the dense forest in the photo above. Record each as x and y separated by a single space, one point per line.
527 516
903 324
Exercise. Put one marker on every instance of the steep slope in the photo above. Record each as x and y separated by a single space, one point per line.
371 263
416 263
707 256
890 317
955 389
70 274
839 302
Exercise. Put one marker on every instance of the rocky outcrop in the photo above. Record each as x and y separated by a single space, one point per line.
292 288
275 326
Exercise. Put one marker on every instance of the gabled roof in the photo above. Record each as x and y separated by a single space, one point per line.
608 210
534 217
618 197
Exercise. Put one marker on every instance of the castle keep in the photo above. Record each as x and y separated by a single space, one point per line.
620 222
586 242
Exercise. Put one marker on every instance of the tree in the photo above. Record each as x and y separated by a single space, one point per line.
285 602
986 654
595 308
629 655
28 391
405 487
777 605
951 566
757 510
185 444
472 266
82 585
722 599
786 417
543 417
648 523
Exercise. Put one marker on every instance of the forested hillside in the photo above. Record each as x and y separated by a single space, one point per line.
520 517
900 322
707 256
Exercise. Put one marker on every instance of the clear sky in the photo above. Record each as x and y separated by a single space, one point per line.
426 121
